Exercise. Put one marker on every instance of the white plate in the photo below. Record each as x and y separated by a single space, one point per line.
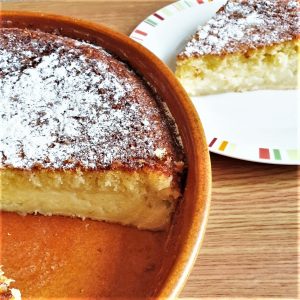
261 126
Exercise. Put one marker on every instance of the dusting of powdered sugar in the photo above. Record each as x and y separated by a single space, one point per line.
66 104
246 24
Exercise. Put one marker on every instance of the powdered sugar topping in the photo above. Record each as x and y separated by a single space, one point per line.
66 104
246 24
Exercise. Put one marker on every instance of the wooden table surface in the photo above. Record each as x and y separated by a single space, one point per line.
251 244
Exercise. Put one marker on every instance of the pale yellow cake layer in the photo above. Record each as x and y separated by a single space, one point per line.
273 67
145 199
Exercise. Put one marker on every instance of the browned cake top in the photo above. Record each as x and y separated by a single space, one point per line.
67 104
246 24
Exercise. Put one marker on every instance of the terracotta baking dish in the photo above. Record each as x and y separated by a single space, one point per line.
57 257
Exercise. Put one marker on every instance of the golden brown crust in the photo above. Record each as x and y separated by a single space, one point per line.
245 51
70 105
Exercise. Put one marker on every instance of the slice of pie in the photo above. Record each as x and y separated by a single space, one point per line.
82 135
247 45
6 292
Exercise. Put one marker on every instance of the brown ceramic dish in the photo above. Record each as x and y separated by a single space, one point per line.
57 257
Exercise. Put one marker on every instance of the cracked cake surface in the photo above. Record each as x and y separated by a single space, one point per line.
67 104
